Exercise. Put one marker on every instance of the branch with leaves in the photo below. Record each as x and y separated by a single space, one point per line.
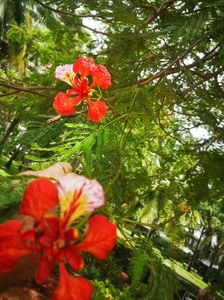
157 11
167 70
19 89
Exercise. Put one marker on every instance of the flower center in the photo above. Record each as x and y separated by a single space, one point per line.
59 243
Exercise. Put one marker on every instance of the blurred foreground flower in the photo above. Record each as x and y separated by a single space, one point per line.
83 76
59 237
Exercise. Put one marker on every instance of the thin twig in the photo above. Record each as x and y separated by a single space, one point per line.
54 119
206 77
163 72
211 54
158 11
162 127
80 24
221 91
23 89
9 94
58 117
62 12
8 131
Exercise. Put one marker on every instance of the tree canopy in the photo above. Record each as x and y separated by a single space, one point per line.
158 152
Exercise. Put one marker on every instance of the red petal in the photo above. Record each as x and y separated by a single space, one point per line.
83 66
40 196
72 288
72 235
9 228
97 110
11 246
64 105
77 100
100 238
71 92
80 87
29 238
101 77
51 224
73 258
9 257
45 267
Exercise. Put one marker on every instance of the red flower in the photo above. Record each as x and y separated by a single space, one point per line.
63 104
11 245
54 237
71 288
84 66
101 77
78 76
96 110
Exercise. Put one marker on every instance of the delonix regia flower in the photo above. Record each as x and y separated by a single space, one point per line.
57 212
84 76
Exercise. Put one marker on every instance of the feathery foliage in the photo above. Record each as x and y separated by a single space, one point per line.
159 151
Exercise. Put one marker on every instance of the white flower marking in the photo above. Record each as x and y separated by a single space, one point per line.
65 73
87 194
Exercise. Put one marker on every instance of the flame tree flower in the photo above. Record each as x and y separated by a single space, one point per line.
83 76
59 237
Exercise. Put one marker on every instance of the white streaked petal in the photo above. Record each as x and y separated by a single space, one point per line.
79 196
65 73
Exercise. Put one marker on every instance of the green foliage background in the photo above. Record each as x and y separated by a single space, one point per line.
166 59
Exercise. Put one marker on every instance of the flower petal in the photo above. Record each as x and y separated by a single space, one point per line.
72 235
65 73
73 258
45 266
100 237
48 231
101 77
80 86
83 66
9 228
40 196
11 246
51 224
64 105
78 196
78 99
97 110
72 288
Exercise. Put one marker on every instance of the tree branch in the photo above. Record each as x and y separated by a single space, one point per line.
62 12
218 86
23 89
158 11
211 54
207 57
14 155
205 77
164 71
58 117
80 24
8 131
162 127
9 94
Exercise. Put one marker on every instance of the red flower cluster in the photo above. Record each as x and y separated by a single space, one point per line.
83 76
55 237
